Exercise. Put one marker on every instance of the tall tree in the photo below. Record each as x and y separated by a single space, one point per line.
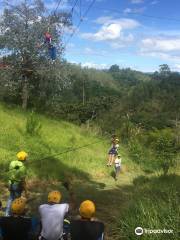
114 68
22 28
164 70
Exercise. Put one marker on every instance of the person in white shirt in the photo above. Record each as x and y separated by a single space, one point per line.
117 166
52 217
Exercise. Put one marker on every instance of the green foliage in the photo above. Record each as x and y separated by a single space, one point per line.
164 144
33 125
164 70
136 150
154 205
114 68
150 202
22 30
53 138
156 149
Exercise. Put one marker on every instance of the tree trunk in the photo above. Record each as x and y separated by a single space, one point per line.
25 93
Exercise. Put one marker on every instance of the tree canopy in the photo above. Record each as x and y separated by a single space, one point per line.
22 36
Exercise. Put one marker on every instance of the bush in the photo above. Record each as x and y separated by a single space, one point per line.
164 145
136 151
33 125
154 205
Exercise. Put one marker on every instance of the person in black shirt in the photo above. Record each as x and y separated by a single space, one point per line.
17 226
87 228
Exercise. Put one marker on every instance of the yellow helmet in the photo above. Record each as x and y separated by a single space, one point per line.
54 197
22 156
18 206
87 209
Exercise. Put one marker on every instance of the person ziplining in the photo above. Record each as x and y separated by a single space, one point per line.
48 42
48 38
51 48
113 150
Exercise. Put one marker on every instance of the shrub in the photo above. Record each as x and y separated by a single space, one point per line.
164 145
135 150
154 205
33 125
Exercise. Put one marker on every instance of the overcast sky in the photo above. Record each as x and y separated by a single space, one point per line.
124 32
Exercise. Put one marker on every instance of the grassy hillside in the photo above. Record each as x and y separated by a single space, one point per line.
119 204
85 167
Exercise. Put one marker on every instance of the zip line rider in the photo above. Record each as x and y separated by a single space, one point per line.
51 48
17 183
49 44
113 151
113 139
48 38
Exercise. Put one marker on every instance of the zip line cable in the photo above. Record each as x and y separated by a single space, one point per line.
80 8
80 21
54 13
57 6
72 9
66 151
55 155
139 14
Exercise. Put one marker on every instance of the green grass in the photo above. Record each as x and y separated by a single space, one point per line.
121 205
155 205
55 137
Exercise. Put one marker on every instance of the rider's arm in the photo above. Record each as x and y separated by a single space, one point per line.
72 200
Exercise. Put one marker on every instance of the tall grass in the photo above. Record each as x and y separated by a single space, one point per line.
155 205
54 138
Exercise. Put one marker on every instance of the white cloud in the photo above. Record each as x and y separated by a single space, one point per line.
125 23
89 50
71 45
113 31
96 0
95 65
123 41
104 20
137 1
134 10
154 2
127 10
95 52
52 5
161 55
160 44
166 48
110 32
69 30
98 66
176 67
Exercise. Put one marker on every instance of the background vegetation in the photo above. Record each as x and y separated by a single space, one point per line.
68 107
